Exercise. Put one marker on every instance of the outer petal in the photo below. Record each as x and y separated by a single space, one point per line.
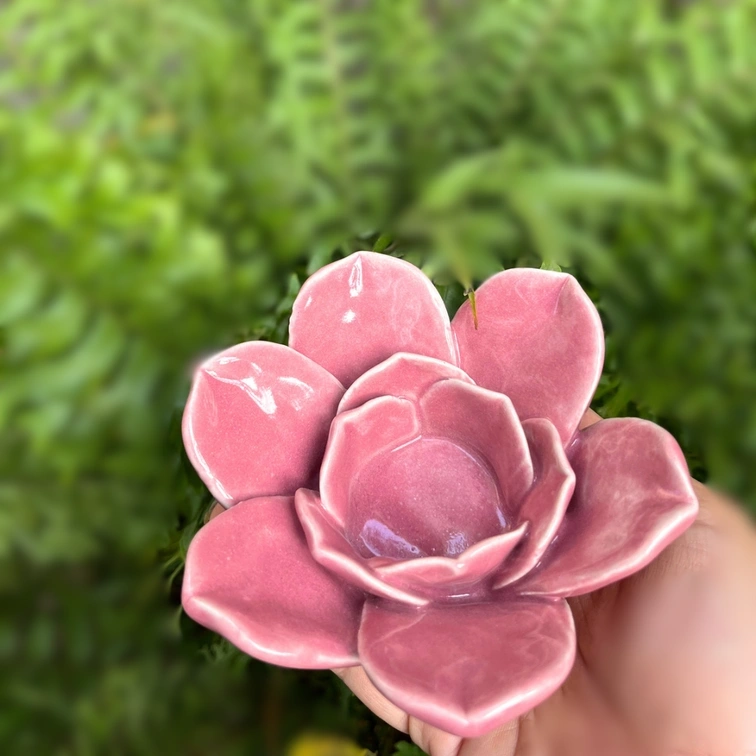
355 313
539 341
331 549
468 668
403 375
355 437
546 502
633 497
486 423
250 577
445 575
256 421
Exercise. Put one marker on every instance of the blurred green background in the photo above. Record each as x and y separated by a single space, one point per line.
171 170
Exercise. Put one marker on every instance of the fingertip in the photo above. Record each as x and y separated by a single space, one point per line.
214 511
589 418
356 679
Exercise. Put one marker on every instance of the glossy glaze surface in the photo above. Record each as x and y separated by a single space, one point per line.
407 376
537 333
429 521
616 517
468 668
429 497
340 316
259 587
257 421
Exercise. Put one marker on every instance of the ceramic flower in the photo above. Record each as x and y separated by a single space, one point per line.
414 495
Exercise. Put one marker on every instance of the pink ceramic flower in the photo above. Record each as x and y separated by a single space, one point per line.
413 495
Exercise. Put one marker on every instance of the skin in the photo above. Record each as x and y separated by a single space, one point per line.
666 659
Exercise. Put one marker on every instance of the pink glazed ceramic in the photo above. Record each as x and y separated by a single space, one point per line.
413 495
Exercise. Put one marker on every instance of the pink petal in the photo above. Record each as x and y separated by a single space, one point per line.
356 437
419 496
403 491
256 421
546 502
468 668
329 548
444 575
251 578
403 375
486 424
633 497
355 313
539 341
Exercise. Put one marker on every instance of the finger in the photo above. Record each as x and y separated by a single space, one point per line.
589 418
502 742
214 511
358 682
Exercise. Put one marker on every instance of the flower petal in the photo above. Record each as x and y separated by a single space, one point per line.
539 341
329 548
356 437
403 375
353 314
633 497
256 421
546 502
485 423
445 575
468 668
251 578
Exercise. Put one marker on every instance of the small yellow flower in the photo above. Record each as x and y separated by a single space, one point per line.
325 745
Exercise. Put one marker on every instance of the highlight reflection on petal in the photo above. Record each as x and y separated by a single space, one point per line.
256 421
446 576
330 548
468 668
545 503
356 436
633 497
407 376
251 578
355 313
539 340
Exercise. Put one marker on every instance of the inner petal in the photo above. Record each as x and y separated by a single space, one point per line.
430 497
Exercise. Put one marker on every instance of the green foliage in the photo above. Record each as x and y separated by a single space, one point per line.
407 749
171 170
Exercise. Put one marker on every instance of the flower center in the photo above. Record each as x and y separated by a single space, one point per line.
430 497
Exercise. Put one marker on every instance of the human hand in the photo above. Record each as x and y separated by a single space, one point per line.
666 662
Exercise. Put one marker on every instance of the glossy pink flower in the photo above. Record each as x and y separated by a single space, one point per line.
413 495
